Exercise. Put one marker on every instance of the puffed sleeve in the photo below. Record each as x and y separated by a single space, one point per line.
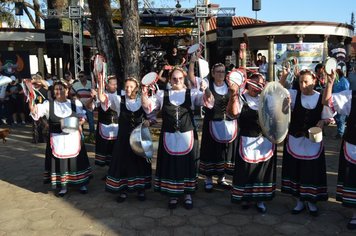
293 96
113 101
341 102
41 110
80 109
155 102
199 99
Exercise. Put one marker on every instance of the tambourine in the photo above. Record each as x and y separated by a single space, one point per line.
192 49
203 68
236 76
330 65
100 67
150 80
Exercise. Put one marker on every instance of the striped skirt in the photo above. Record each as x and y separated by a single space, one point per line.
305 179
346 181
176 175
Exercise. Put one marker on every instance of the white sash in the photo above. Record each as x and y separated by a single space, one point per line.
255 149
108 132
178 143
350 152
224 131
65 145
303 148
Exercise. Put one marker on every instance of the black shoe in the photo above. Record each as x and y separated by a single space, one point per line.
262 210
121 198
141 197
208 187
351 226
172 204
245 205
83 190
313 213
223 184
188 204
296 212
61 194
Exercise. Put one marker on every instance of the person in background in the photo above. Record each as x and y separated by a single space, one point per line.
40 126
340 84
263 67
174 59
320 76
16 101
258 59
82 90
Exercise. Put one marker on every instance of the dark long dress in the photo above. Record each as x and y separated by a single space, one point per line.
216 158
176 174
104 147
74 171
127 170
303 176
254 179
346 181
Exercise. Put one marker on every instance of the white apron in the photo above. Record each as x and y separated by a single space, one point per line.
178 143
224 131
108 132
350 152
255 149
65 145
303 148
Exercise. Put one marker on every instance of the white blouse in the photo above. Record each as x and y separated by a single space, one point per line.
61 109
114 101
310 102
341 102
176 97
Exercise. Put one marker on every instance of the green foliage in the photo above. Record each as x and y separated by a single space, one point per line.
6 14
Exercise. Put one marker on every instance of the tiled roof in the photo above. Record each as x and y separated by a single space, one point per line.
236 21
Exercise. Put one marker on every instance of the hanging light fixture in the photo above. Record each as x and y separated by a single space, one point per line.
178 4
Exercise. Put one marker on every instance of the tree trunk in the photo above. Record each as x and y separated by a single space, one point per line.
131 40
105 36
36 7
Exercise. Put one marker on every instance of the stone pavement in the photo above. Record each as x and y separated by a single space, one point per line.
27 207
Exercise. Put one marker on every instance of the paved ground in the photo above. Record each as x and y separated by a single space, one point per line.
27 207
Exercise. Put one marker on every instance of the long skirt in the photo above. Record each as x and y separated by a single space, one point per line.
103 149
127 171
216 158
304 179
74 171
346 181
254 181
176 174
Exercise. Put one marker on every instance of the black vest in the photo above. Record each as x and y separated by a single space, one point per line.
350 130
107 117
54 121
302 118
177 118
248 122
218 112
130 118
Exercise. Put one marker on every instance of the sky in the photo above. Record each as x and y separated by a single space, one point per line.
285 10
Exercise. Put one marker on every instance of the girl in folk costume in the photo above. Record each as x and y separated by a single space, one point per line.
255 166
107 128
66 161
176 172
303 166
218 144
344 103
127 171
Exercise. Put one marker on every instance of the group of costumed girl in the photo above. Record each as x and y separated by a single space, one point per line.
243 151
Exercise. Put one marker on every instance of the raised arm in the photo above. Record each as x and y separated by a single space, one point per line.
232 108
328 89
